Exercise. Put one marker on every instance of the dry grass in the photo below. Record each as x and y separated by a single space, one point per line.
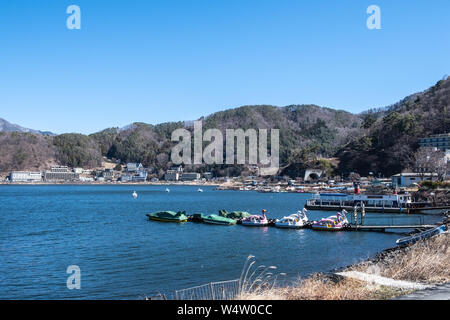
425 261
319 287
257 280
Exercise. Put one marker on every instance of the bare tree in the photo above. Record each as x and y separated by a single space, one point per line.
353 176
429 160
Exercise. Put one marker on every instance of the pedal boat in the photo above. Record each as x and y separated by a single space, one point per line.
294 221
216 219
256 220
168 216
332 223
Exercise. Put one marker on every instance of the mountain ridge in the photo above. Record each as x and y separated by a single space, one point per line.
6 126
376 140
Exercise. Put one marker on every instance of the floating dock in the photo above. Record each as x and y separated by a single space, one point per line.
382 228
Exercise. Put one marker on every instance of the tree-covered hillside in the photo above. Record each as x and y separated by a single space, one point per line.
23 150
379 141
390 136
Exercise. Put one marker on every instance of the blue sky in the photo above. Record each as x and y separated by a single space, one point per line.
158 61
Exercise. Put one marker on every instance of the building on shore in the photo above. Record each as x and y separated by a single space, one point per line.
141 176
409 179
174 174
125 177
190 176
87 179
134 167
25 176
60 174
108 175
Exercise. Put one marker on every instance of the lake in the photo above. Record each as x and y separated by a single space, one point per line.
122 255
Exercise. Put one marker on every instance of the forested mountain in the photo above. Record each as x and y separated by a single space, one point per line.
390 136
381 141
22 150
301 127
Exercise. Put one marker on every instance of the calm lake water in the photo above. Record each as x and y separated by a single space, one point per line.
122 255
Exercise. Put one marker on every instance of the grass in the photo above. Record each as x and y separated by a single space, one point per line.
319 287
257 280
426 261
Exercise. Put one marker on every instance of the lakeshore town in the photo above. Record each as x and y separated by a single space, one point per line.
311 180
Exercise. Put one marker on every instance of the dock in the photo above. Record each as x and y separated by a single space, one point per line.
382 228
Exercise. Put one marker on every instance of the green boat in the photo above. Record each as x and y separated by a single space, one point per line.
168 216
215 219
234 214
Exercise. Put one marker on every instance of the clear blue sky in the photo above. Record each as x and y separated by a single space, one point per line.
158 61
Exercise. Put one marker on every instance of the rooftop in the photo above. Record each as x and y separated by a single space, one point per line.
414 174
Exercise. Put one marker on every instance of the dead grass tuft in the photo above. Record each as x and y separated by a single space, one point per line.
318 287
425 261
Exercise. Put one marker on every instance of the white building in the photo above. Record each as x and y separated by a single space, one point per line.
60 173
86 179
25 176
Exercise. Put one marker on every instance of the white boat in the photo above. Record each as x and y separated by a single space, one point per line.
383 203
167 190
135 195
200 190
293 221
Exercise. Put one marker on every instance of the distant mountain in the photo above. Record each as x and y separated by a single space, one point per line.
6 126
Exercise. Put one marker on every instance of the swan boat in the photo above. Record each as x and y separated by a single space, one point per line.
332 223
293 221
256 220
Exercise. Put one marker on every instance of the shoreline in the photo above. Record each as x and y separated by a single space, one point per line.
392 273
168 183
